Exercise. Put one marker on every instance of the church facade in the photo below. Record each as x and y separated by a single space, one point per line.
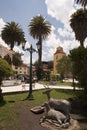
57 56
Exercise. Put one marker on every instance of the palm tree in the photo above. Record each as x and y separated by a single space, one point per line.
78 23
82 2
39 29
12 34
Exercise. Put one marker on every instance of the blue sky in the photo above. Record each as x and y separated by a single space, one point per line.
57 12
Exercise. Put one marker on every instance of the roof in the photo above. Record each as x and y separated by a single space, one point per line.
7 50
59 50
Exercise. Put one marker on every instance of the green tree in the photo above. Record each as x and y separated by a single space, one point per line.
39 73
50 65
54 77
79 59
39 29
5 71
82 2
16 60
12 34
8 59
64 67
78 23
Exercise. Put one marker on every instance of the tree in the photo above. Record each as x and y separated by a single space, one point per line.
39 29
78 23
64 67
82 2
39 73
79 59
50 65
8 59
5 71
12 34
16 60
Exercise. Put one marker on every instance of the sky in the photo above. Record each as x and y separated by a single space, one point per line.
57 12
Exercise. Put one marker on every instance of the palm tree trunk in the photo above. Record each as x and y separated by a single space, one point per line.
12 45
40 52
81 43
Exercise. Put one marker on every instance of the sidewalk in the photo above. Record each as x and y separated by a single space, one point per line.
25 87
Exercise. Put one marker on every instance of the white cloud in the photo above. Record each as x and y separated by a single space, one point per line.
69 45
65 37
2 23
53 40
60 10
50 45
65 33
85 42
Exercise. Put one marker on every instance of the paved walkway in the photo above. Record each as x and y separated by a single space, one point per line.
36 86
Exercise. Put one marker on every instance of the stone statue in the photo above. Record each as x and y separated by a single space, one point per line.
59 104
54 115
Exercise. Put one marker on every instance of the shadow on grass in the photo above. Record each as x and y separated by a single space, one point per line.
11 101
68 91
27 98
2 103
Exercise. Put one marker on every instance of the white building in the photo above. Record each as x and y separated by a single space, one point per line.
5 51
21 70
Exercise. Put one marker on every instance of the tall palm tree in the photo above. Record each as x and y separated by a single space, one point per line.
39 29
12 34
82 2
78 23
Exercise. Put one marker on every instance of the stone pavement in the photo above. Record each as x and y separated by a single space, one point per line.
25 87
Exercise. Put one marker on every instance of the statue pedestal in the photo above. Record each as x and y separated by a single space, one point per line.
53 125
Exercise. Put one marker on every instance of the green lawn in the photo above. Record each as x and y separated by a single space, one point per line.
13 102
59 83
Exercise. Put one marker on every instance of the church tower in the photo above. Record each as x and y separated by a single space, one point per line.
57 56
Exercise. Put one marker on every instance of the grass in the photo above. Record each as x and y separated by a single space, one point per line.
13 102
59 83
64 83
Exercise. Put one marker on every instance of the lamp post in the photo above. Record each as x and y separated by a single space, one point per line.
31 50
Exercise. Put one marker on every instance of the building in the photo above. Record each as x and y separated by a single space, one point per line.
57 56
5 51
20 70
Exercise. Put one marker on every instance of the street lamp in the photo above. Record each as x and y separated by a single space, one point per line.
31 50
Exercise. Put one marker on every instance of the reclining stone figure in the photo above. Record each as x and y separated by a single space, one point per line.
59 104
54 115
